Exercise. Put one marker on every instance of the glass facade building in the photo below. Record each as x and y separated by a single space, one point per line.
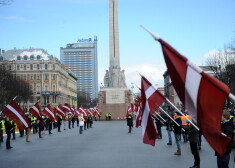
81 59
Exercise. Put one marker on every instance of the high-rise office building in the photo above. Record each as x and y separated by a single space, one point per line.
81 59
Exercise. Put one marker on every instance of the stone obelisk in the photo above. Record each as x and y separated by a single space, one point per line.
114 77
114 97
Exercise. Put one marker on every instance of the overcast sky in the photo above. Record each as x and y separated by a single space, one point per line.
194 28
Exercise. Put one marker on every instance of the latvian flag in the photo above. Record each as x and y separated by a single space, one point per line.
61 111
36 111
202 95
82 110
14 112
151 102
67 107
49 112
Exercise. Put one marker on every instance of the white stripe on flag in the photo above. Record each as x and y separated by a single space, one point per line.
149 92
36 109
18 115
192 83
50 112
67 108
60 110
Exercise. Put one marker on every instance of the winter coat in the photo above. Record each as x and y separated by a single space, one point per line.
81 121
177 129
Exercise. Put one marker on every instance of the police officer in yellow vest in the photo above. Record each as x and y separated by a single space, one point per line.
2 127
34 124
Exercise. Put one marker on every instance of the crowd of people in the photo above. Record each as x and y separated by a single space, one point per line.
40 126
178 125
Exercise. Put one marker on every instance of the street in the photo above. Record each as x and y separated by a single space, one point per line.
107 145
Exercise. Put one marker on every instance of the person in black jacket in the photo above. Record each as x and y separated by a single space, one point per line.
177 132
129 120
9 128
227 128
169 125
59 122
193 137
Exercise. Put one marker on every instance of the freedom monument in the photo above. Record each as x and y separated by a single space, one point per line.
114 97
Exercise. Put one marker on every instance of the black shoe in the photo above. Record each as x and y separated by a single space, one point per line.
169 143
40 137
27 141
11 147
194 167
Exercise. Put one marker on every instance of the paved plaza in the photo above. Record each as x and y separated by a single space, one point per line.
107 145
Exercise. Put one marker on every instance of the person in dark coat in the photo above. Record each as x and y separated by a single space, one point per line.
129 122
169 125
159 123
193 137
177 132
228 129
59 122
9 129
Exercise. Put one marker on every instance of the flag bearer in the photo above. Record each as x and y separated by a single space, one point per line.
177 132
8 127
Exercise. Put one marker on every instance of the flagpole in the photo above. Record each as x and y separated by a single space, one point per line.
15 98
160 116
156 37
182 114
231 96
170 117
160 120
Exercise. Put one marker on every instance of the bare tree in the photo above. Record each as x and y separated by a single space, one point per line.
223 66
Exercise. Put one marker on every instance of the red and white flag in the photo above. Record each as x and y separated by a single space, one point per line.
82 110
49 112
129 110
151 102
14 112
139 112
67 107
35 110
97 111
61 111
202 95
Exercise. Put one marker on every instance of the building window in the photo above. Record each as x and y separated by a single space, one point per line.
31 66
25 57
54 99
38 77
54 88
46 66
25 77
46 88
38 88
31 87
53 77
38 66
18 77
38 98
18 66
38 57
18 58
46 76
9 66
24 66
31 77
1 58
53 66
31 57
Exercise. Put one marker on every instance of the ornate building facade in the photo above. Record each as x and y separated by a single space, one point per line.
50 82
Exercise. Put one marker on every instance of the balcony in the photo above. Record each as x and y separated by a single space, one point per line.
50 93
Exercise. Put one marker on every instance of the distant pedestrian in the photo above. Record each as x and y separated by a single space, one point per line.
81 123
129 122
59 122
177 132
28 130
9 128
169 125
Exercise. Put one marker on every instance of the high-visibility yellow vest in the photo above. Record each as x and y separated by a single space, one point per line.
2 123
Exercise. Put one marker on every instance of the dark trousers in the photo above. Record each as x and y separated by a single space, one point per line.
130 128
85 125
40 131
1 136
194 150
49 128
21 133
58 126
14 133
8 144
223 162
80 130
159 131
69 124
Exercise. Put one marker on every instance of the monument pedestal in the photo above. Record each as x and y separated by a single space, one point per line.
114 101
